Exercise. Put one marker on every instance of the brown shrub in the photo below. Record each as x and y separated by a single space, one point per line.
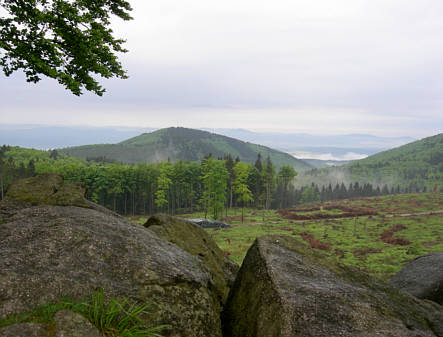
339 253
387 236
313 242
365 251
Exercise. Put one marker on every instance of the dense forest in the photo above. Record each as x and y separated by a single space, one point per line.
211 185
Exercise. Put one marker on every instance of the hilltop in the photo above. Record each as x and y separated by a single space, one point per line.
182 144
416 165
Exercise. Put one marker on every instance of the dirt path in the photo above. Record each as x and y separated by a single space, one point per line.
412 214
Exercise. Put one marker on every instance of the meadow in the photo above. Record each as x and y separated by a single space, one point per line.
378 234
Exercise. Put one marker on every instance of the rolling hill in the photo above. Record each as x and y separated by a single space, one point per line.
415 165
182 144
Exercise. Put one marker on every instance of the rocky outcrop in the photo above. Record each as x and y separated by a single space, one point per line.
285 289
48 189
48 251
197 242
422 277
55 243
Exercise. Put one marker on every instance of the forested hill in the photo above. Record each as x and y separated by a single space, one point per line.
415 165
182 144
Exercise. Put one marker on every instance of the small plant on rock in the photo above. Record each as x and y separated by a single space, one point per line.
116 318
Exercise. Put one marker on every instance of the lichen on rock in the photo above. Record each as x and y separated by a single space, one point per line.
24 330
71 324
48 189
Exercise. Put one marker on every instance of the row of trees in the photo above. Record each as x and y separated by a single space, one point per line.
212 185
314 193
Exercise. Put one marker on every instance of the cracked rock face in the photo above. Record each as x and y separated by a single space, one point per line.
286 289
48 251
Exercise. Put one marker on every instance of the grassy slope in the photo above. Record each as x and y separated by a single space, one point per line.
362 248
419 162
182 144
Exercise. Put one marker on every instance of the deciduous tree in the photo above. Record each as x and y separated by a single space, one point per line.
214 177
241 185
67 40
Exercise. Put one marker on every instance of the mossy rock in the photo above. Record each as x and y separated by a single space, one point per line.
286 289
196 241
48 189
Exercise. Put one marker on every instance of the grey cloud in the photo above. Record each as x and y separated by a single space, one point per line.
377 58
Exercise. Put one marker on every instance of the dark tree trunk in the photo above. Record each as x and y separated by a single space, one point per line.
1 187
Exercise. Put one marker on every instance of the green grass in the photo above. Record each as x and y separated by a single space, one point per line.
355 242
116 318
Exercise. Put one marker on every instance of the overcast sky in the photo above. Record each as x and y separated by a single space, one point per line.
313 66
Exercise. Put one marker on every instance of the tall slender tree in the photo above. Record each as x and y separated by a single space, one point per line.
285 175
268 178
240 185
214 177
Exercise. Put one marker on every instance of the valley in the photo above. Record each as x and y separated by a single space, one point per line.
380 243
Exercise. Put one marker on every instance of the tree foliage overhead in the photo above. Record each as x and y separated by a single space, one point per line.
68 40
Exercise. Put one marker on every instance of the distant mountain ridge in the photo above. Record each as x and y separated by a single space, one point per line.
178 143
416 165
301 146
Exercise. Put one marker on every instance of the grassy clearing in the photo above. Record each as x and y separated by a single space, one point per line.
353 241
116 318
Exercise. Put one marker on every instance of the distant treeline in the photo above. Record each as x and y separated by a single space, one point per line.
313 193
212 185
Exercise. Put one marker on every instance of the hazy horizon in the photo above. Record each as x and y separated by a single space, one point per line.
302 146
293 66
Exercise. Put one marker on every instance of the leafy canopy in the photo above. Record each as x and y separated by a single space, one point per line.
68 40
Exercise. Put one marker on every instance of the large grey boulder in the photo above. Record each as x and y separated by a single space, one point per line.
286 289
48 251
193 239
422 277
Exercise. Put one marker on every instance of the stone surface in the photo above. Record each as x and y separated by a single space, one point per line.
23 330
422 277
286 289
196 241
49 251
48 189
71 324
